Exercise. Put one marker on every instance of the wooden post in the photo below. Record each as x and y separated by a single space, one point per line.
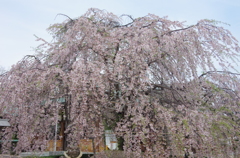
94 150
62 129
104 141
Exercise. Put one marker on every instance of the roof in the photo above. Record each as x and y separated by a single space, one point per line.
4 122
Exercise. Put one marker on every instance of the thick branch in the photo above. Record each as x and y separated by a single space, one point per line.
169 32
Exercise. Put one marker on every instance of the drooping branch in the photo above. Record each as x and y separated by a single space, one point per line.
221 72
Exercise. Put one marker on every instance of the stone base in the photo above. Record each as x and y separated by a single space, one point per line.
9 156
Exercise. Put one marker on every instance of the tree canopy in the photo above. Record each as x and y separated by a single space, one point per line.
158 84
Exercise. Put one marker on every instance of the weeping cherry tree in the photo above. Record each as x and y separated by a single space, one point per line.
165 88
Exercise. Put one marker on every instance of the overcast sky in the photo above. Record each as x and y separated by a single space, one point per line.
21 19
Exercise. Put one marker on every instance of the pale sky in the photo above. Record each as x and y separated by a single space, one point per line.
21 19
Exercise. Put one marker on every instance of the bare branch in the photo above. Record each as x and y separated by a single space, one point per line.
64 15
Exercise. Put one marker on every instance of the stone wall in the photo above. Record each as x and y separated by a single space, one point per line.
9 156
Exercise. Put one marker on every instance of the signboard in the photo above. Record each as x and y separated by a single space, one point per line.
4 123
111 140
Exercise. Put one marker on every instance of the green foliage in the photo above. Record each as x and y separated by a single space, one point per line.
186 125
34 156
220 130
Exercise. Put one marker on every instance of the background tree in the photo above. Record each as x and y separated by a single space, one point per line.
2 70
163 87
